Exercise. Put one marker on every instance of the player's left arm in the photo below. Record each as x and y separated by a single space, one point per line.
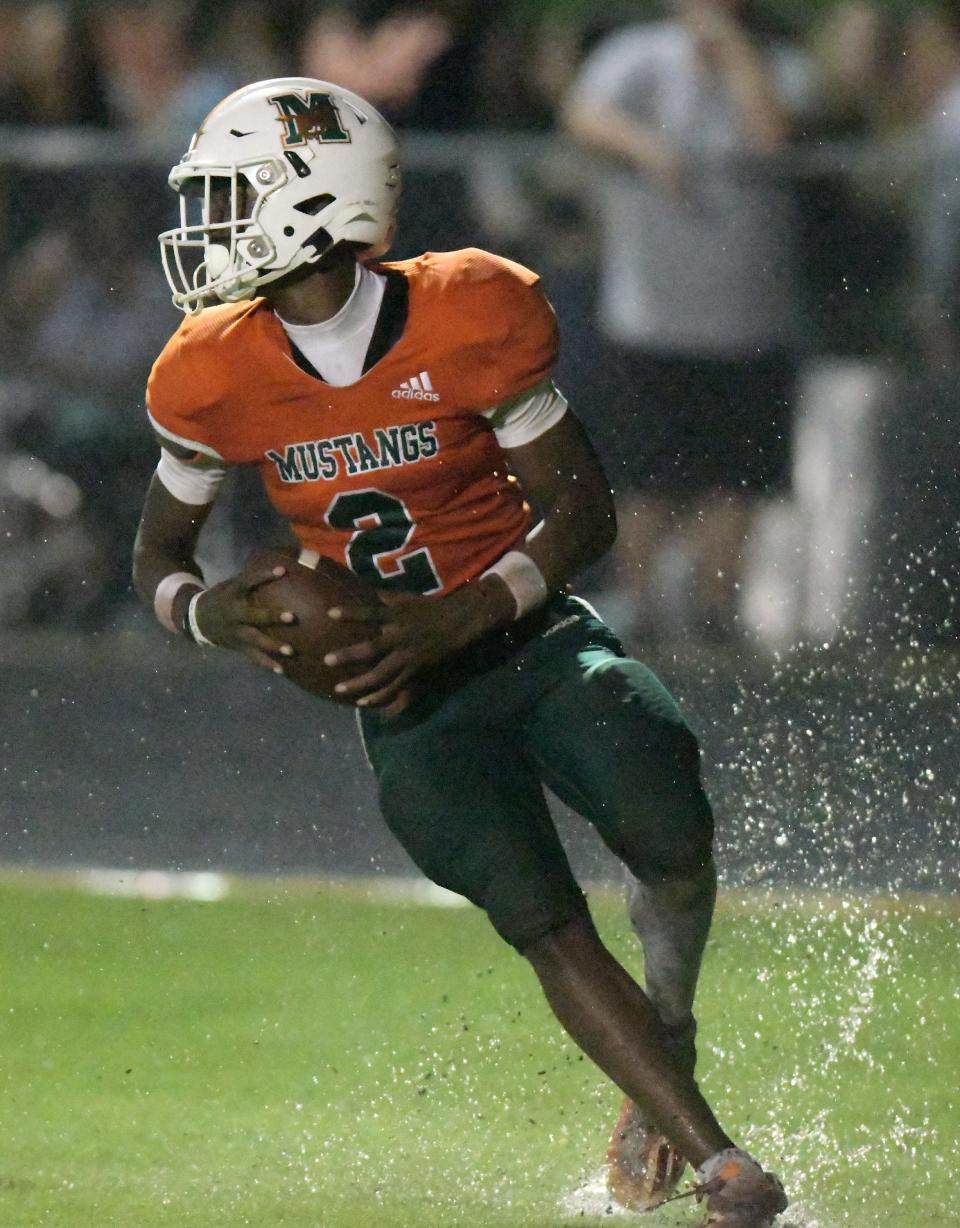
561 475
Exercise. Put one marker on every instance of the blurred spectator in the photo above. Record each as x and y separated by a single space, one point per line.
561 249
49 569
451 98
697 291
415 60
552 53
238 37
384 61
528 60
854 48
87 311
49 74
854 236
159 83
932 89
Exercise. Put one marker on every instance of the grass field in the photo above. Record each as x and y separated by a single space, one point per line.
316 1057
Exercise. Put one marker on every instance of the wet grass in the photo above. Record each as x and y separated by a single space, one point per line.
312 1058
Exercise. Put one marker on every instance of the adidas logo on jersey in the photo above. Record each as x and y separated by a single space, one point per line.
418 388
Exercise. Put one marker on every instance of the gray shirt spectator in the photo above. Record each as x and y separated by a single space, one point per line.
696 297
697 235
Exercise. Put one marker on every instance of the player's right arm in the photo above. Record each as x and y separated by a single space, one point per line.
188 393
169 581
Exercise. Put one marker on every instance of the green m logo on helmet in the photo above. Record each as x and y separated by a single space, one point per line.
309 117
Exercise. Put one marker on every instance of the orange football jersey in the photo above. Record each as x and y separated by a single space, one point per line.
398 475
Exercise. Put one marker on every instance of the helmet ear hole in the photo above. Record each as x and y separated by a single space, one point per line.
315 204
297 163
321 240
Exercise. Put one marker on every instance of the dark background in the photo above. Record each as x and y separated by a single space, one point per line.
830 746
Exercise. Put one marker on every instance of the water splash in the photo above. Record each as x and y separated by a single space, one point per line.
591 1200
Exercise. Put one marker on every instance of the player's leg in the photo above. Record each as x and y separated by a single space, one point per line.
465 805
612 1019
458 790
611 742
461 796
672 921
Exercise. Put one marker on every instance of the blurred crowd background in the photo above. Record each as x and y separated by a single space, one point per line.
744 212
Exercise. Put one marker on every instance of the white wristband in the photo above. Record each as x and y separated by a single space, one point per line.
196 633
166 595
523 578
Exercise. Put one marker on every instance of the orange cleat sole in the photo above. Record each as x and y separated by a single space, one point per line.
643 1168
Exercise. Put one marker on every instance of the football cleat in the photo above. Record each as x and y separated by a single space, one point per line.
643 1168
738 1193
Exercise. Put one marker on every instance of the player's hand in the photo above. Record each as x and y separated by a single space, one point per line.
226 615
414 632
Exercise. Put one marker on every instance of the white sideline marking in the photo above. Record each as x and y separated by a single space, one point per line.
156 884
209 886
413 889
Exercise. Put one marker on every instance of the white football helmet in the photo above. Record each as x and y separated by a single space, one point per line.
278 173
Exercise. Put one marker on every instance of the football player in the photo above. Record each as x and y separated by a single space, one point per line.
403 420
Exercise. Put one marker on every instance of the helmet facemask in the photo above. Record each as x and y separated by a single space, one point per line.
219 209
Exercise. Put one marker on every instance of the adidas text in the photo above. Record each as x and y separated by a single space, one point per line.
417 388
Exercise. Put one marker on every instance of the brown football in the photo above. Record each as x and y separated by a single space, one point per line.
309 593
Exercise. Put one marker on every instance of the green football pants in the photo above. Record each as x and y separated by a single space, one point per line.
461 774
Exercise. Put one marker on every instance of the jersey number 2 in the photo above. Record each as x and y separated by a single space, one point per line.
382 527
